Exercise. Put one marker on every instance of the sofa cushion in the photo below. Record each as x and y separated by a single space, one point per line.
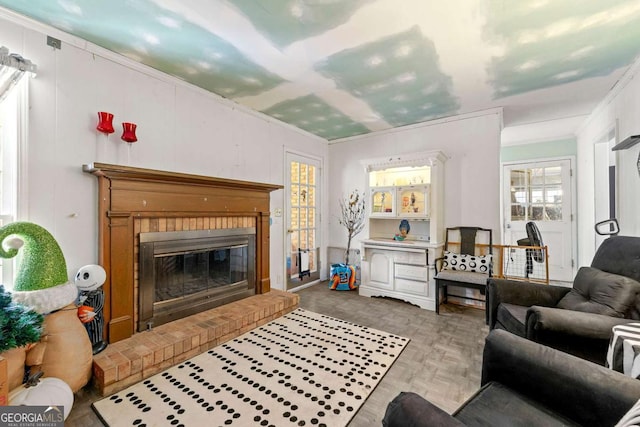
596 291
512 318
497 405
463 262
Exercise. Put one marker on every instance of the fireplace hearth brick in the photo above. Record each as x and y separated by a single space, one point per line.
146 353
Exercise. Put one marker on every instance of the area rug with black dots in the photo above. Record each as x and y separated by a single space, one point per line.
302 369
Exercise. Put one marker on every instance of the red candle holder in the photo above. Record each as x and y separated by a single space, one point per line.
105 122
129 132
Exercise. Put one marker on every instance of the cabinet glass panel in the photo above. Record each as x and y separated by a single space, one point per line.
400 176
382 201
413 201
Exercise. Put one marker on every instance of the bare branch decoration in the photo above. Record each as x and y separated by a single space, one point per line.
353 214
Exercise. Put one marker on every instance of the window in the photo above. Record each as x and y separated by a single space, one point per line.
11 117
536 194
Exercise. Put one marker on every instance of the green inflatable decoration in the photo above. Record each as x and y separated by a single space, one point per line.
42 263
41 282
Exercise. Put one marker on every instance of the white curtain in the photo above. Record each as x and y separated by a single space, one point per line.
12 68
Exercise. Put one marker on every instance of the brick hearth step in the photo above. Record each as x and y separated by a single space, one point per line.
146 353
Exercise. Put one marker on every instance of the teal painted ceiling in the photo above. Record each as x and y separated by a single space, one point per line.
339 68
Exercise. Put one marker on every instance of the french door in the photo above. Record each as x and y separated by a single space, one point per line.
542 192
302 220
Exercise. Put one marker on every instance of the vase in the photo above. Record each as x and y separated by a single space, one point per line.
342 277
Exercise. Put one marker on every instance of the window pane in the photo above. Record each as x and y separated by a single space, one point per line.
295 192
303 218
312 239
536 194
295 215
311 218
311 197
312 260
295 171
519 199
312 175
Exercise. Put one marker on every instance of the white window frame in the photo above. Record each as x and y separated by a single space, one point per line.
13 138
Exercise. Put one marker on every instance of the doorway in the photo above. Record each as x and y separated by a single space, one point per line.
604 184
542 192
302 246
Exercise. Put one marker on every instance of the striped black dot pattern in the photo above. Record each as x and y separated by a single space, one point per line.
303 369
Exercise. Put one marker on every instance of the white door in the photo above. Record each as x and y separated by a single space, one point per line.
541 192
302 220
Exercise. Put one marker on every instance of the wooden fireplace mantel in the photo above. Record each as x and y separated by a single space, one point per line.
128 193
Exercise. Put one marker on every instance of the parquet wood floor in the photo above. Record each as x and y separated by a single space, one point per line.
442 362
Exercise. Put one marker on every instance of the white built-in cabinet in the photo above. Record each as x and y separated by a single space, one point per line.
407 187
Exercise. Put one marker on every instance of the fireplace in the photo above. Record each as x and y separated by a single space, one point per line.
135 201
186 272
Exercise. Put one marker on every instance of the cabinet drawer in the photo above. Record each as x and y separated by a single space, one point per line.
413 286
411 272
417 258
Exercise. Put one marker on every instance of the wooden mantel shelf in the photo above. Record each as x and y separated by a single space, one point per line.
128 195
129 172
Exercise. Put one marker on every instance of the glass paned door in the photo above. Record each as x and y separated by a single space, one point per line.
541 192
302 255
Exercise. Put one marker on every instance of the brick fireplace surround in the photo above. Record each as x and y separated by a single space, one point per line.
135 200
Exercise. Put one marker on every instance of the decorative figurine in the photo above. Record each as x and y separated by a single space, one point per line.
41 284
89 280
404 228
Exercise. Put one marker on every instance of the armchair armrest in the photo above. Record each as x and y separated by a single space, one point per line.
583 334
578 389
541 320
410 409
520 293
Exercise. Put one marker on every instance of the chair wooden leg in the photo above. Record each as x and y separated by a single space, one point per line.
437 297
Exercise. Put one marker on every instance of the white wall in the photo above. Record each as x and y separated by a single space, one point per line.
620 108
180 128
472 171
